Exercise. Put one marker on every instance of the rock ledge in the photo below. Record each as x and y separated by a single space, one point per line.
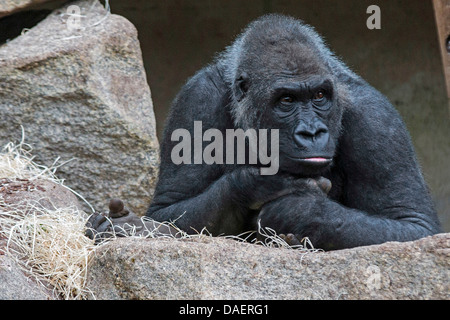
217 268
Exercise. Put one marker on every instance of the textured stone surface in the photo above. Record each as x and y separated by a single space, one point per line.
48 194
16 286
10 6
78 87
225 269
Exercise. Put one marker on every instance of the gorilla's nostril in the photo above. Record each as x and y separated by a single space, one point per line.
316 137
321 131
303 132
306 134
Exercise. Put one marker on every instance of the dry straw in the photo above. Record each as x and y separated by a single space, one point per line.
48 244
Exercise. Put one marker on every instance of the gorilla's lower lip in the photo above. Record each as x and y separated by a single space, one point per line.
317 159
320 161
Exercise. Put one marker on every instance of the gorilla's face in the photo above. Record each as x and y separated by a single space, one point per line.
297 95
302 111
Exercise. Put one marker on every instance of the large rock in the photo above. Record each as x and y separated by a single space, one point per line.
41 192
226 269
16 285
78 88
10 6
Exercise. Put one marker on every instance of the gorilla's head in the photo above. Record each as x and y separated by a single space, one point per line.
280 79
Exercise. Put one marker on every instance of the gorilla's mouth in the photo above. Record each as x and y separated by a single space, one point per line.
316 161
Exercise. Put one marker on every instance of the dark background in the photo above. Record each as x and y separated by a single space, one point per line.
402 60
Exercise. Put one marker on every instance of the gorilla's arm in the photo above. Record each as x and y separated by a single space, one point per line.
192 194
382 195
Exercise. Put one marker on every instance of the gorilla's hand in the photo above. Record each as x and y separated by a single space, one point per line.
121 222
254 190
319 185
301 206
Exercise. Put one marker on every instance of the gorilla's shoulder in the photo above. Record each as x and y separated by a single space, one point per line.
209 79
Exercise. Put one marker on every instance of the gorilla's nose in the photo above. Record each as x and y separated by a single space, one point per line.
311 135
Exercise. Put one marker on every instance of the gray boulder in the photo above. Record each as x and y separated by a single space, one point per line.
39 192
15 285
217 268
8 7
78 88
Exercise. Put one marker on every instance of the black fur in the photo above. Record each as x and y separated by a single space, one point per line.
378 191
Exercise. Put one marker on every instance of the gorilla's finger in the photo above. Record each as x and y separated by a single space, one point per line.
320 183
94 221
324 184
292 240
90 233
311 182
104 226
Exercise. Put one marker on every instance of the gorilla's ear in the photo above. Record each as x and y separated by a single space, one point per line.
241 86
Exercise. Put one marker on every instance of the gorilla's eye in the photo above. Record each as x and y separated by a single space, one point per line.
319 96
287 99
320 100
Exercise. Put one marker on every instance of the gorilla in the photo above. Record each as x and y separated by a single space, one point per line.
335 131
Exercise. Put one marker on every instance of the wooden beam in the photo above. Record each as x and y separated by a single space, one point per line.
442 13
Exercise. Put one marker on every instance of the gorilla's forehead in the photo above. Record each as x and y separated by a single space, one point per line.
296 82
290 61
